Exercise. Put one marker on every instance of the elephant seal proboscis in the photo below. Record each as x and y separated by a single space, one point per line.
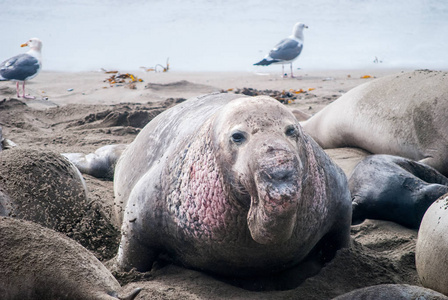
39 263
403 115
230 185
393 291
394 188
431 251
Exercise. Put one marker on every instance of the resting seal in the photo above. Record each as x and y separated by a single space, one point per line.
432 247
392 291
404 115
44 187
100 164
5 143
395 189
39 263
228 185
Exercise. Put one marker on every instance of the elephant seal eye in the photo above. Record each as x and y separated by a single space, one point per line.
290 131
238 137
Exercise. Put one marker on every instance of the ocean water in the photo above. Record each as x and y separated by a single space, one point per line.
226 35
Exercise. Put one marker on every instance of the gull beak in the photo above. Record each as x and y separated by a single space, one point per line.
24 45
306 26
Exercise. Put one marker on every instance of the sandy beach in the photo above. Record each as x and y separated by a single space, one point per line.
80 112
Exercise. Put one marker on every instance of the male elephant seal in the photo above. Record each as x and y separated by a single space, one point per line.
431 252
404 115
393 188
39 263
229 185
393 291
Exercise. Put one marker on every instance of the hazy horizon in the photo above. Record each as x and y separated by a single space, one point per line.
227 35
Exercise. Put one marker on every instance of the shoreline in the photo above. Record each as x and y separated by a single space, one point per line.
91 87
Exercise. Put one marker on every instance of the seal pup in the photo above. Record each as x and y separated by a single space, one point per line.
101 163
395 189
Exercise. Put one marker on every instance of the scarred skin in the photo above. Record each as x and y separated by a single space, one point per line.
228 185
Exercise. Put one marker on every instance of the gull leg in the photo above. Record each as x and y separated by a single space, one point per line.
283 71
26 96
292 75
17 89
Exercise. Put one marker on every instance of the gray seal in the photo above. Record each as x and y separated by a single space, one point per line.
393 188
39 263
403 115
229 185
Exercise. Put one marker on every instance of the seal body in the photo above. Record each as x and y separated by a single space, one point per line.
39 263
43 187
100 164
431 250
394 188
403 115
228 185
392 291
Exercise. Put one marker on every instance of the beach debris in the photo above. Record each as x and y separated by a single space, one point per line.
108 72
285 97
328 79
126 78
158 67
296 91
69 90
366 76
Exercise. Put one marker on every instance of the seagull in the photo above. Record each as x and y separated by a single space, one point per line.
287 50
24 66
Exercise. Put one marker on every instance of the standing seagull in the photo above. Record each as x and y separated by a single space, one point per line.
287 50
24 66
